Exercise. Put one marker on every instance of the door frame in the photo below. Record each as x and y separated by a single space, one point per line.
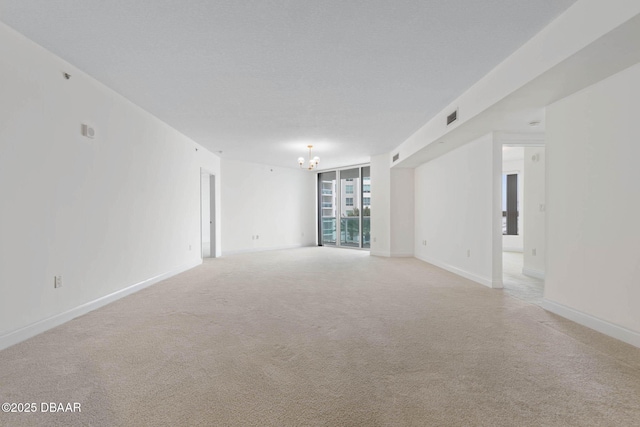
212 213
505 139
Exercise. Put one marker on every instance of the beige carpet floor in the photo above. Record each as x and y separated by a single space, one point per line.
322 337
518 285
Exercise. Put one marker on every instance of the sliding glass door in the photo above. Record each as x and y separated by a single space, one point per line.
344 199
350 208
366 207
327 195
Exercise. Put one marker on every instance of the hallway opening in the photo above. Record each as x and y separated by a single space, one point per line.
523 221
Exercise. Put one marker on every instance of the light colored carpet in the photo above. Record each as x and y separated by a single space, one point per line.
323 337
518 285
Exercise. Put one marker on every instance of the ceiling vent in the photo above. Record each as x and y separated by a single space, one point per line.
452 117
396 157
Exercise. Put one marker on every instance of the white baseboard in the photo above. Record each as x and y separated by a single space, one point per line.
615 331
512 249
471 276
385 254
26 332
532 272
402 254
270 248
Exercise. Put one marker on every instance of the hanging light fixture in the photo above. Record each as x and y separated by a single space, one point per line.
313 162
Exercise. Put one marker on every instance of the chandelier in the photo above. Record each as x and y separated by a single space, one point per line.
312 163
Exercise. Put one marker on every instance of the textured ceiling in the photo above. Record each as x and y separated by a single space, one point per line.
259 80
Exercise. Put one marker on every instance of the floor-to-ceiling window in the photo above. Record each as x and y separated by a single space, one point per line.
344 207
327 208
366 207
350 207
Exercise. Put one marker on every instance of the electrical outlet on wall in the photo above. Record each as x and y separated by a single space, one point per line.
468 253
533 251
57 283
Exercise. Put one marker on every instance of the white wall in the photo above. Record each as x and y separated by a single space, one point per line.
515 243
392 209
456 210
593 204
380 205
584 23
402 212
534 212
105 213
267 207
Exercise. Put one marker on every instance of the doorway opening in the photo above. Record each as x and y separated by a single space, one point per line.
523 221
207 214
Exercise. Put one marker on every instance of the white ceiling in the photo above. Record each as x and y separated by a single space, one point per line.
259 80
